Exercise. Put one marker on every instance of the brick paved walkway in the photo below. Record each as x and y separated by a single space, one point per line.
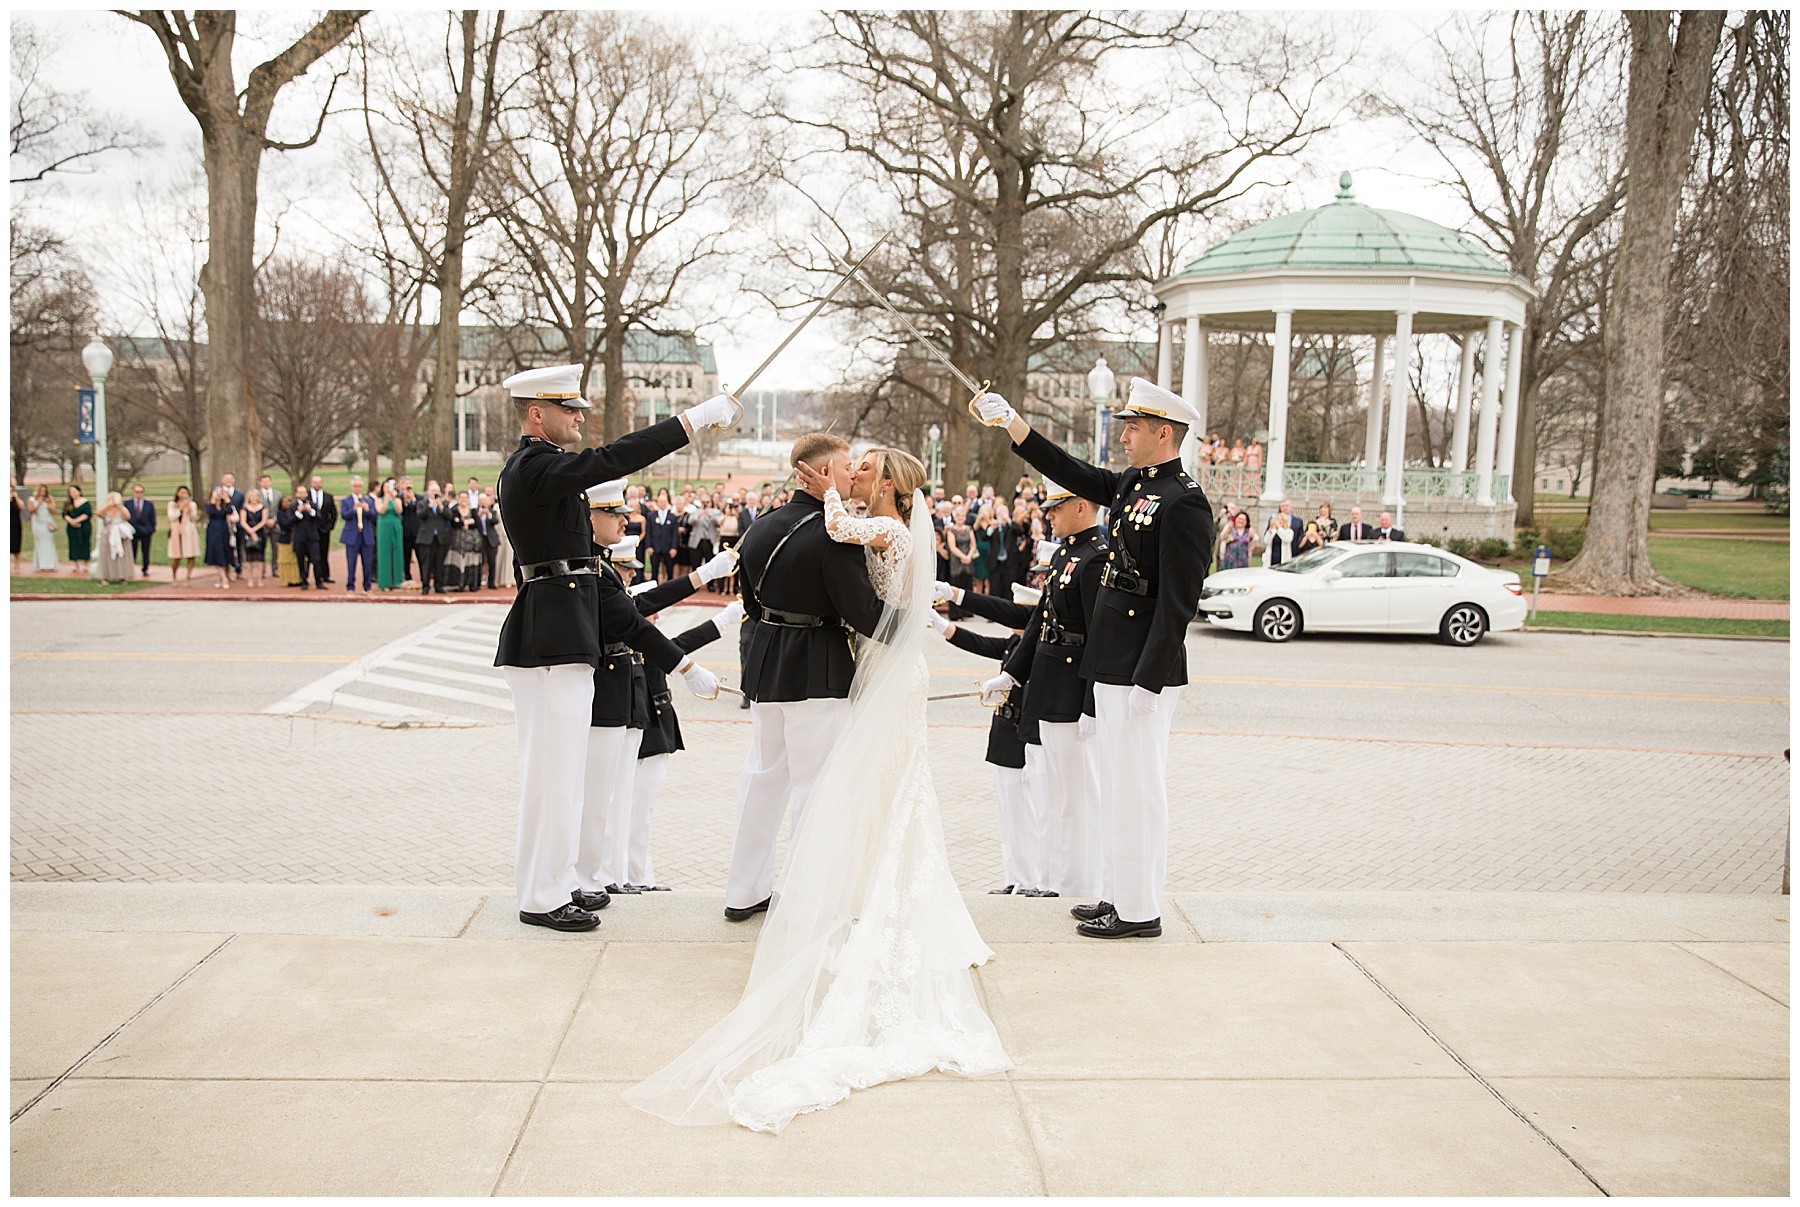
1722 609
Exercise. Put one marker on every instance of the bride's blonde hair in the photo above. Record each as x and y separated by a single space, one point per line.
905 471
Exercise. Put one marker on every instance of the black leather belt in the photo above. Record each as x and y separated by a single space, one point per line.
1124 580
792 620
1050 636
559 568
662 697
615 649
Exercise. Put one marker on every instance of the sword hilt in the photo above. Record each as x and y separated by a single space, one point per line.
975 414
735 402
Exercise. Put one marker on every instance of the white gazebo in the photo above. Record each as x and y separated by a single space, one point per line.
1349 269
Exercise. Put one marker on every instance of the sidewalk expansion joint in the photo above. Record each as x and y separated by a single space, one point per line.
1688 947
118 1030
549 1068
1470 1070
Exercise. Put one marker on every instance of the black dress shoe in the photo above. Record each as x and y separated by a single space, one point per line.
743 701
1111 927
592 902
566 917
1087 913
626 890
1000 892
738 915
1037 892
647 888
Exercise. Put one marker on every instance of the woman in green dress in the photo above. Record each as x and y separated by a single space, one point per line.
389 537
78 514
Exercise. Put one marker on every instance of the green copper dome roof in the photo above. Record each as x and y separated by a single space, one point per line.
1347 235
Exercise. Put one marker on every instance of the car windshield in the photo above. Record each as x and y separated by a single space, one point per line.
1306 563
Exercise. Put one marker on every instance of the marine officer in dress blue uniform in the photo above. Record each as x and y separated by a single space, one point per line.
550 643
1159 542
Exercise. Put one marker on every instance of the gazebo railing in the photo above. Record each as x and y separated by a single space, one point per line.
1303 480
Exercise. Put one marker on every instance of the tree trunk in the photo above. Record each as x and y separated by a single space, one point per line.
228 281
613 420
440 439
1668 86
1525 451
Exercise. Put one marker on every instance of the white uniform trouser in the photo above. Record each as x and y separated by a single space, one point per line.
788 744
1036 836
552 708
1076 848
610 760
646 785
1138 755
1013 797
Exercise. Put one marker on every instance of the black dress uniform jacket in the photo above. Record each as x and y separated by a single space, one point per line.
650 602
1160 532
618 677
1053 646
813 576
1007 734
663 734
556 621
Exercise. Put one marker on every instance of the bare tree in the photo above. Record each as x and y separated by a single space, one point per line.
54 308
611 169
54 130
433 136
1522 112
307 379
1027 175
234 133
1671 61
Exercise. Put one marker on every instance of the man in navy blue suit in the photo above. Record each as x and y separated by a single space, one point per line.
358 513
142 514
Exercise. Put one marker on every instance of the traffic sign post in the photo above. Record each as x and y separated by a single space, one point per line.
1540 570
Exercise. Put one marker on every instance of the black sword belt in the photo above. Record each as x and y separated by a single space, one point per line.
559 568
662 697
1124 580
792 620
1053 636
615 649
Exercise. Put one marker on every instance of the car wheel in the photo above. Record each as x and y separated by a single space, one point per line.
1277 620
1465 624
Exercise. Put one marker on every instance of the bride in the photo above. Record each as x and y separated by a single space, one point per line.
861 973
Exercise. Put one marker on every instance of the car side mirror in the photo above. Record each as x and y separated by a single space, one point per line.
1331 576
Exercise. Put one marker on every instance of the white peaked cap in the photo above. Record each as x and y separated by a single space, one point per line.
1055 494
625 552
558 383
1026 597
1150 399
1046 550
608 496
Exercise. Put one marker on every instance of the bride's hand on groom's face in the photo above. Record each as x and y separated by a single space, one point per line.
815 481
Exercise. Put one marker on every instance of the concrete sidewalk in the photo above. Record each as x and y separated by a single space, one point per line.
297 1039
1619 605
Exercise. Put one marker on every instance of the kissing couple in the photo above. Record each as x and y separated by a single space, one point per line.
862 971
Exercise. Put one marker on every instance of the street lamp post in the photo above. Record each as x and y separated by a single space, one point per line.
932 436
98 359
1100 387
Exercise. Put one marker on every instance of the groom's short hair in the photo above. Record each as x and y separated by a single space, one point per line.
814 445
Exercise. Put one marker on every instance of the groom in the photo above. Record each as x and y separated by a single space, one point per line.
802 592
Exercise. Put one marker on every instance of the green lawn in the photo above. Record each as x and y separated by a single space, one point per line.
1659 624
1738 521
1747 569
47 585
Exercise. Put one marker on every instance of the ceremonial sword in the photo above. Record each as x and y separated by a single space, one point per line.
813 314
978 390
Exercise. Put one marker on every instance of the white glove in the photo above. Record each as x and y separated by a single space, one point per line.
718 411
701 682
994 410
939 623
1087 727
729 615
945 593
1141 703
718 565
994 691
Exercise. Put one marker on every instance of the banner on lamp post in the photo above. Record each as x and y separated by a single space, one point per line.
84 416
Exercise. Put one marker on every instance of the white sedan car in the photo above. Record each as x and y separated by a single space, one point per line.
1367 587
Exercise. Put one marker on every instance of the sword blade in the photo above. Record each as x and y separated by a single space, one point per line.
738 390
856 271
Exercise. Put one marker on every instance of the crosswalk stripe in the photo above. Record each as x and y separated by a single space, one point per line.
382 708
375 678
495 682
425 651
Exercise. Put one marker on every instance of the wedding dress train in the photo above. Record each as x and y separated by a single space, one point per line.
862 971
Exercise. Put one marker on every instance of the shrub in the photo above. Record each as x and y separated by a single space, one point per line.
1461 546
1564 543
1493 548
1429 540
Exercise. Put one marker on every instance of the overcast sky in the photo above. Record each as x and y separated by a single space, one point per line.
121 68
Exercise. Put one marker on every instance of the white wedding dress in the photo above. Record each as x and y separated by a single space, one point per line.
862 970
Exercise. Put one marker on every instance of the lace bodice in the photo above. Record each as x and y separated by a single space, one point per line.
887 567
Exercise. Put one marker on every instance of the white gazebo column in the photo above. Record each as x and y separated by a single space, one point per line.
1465 390
1275 457
1509 413
1165 355
1399 395
1490 402
1372 445
1193 388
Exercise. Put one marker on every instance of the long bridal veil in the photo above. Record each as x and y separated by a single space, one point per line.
861 973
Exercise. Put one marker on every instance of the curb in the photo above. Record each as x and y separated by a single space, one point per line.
1648 633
